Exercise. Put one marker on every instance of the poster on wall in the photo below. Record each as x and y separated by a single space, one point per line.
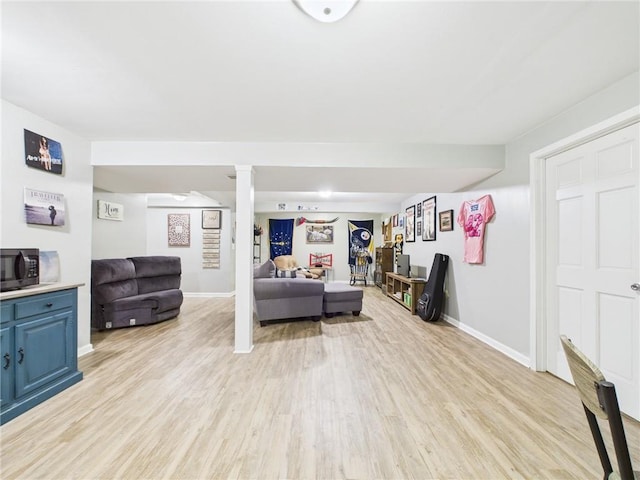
179 229
44 208
410 232
429 219
42 152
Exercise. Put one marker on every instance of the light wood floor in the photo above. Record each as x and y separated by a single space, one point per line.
380 396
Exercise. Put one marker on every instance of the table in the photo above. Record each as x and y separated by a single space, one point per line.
325 271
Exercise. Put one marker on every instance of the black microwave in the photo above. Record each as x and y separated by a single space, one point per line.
20 267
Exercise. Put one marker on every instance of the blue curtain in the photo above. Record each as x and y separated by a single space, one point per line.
360 240
280 237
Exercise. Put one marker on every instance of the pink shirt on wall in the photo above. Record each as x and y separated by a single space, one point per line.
473 217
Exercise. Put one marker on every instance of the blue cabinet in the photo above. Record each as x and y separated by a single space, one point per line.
6 374
39 349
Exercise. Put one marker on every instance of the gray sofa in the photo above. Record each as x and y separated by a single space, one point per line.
134 291
285 298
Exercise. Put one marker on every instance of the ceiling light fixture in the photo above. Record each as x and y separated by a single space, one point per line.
326 11
325 193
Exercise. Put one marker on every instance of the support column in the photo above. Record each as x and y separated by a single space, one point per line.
244 259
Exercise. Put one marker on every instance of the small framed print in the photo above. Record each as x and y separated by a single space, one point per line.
211 219
446 221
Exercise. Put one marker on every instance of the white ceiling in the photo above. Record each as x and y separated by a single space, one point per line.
432 72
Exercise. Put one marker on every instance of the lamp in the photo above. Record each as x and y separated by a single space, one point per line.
326 11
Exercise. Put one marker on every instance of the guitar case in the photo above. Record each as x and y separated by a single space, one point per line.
432 298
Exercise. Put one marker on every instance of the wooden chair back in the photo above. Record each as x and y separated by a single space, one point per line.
599 400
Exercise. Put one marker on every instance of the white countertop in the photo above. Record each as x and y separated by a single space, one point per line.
36 289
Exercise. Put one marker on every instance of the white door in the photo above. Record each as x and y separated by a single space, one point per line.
593 260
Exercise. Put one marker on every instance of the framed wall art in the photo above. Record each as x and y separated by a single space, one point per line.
429 219
211 219
42 152
44 208
387 229
110 211
179 229
409 225
319 233
446 221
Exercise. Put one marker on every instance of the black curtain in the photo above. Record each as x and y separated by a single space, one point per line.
280 237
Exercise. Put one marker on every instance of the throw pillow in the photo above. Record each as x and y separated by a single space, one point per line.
266 270
285 273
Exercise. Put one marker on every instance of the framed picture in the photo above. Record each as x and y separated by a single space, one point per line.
319 233
179 229
395 220
418 211
419 228
446 221
409 226
211 218
386 228
429 219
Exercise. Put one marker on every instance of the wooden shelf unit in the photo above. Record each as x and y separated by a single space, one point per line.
257 249
401 284
384 264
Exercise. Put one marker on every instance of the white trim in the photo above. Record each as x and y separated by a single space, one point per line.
244 351
209 294
508 351
85 349
537 253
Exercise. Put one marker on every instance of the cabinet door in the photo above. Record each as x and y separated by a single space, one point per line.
7 361
43 350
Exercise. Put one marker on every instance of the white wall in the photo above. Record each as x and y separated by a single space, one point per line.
492 293
72 242
120 239
492 300
339 248
195 279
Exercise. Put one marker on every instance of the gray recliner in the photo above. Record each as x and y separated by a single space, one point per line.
134 291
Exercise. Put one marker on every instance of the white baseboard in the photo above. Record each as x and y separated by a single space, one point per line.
244 351
209 294
85 349
508 351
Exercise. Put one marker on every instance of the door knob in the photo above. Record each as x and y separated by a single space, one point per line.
635 287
